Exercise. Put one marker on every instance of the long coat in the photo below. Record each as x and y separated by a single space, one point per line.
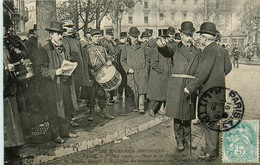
133 56
159 75
13 132
214 65
73 47
185 61
47 63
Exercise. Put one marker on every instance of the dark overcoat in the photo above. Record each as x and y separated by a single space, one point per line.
73 47
214 65
47 62
159 74
185 61
133 56
13 132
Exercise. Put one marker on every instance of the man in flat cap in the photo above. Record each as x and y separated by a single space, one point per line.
179 105
98 58
56 89
210 73
108 43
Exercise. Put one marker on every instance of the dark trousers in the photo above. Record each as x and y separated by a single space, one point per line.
155 105
235 62
212 141
97 92
182 131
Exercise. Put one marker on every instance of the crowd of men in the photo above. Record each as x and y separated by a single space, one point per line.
168 71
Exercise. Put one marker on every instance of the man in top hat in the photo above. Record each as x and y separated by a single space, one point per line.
56 90
150 33
98 58
171 33
179 105
135 63
81 73
210 73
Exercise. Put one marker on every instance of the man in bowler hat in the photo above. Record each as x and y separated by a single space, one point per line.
179 105
210 73
135 64
56 90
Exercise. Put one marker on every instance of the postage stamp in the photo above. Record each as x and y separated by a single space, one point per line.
220 108
240 144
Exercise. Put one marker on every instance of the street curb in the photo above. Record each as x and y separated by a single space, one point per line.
65 150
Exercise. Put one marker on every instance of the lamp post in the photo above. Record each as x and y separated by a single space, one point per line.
120 17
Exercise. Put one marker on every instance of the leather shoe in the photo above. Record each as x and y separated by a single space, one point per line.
206 156
151 112
187 144
141 111
59 140
180 147
105 115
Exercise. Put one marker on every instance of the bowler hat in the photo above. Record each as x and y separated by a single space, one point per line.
123 34
95 32
68 23
208 28
144 34
134 32
187 27
149 32
56 27
110 31
171 30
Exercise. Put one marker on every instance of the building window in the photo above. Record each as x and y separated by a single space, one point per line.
161 16
172 2
172 16
184 2
184 15
145 19
195 2
146 4
161 2
130 19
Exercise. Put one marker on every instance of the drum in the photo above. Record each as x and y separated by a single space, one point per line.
109 78
22 72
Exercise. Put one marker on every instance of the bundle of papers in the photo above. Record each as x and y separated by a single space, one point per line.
68 67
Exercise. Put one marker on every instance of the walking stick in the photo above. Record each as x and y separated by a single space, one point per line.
190 122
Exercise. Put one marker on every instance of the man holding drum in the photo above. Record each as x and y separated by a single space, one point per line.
98 58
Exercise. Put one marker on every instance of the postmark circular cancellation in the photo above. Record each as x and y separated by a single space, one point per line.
220 108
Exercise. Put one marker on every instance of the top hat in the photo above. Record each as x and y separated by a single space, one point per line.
56 27
68 23
134 32
110 31
187 27
208 28
149 32
144 34
171 30
35 27
95 32
123 34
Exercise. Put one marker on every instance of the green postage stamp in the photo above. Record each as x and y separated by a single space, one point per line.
241 144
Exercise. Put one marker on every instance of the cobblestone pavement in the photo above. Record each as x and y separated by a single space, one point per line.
157 145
